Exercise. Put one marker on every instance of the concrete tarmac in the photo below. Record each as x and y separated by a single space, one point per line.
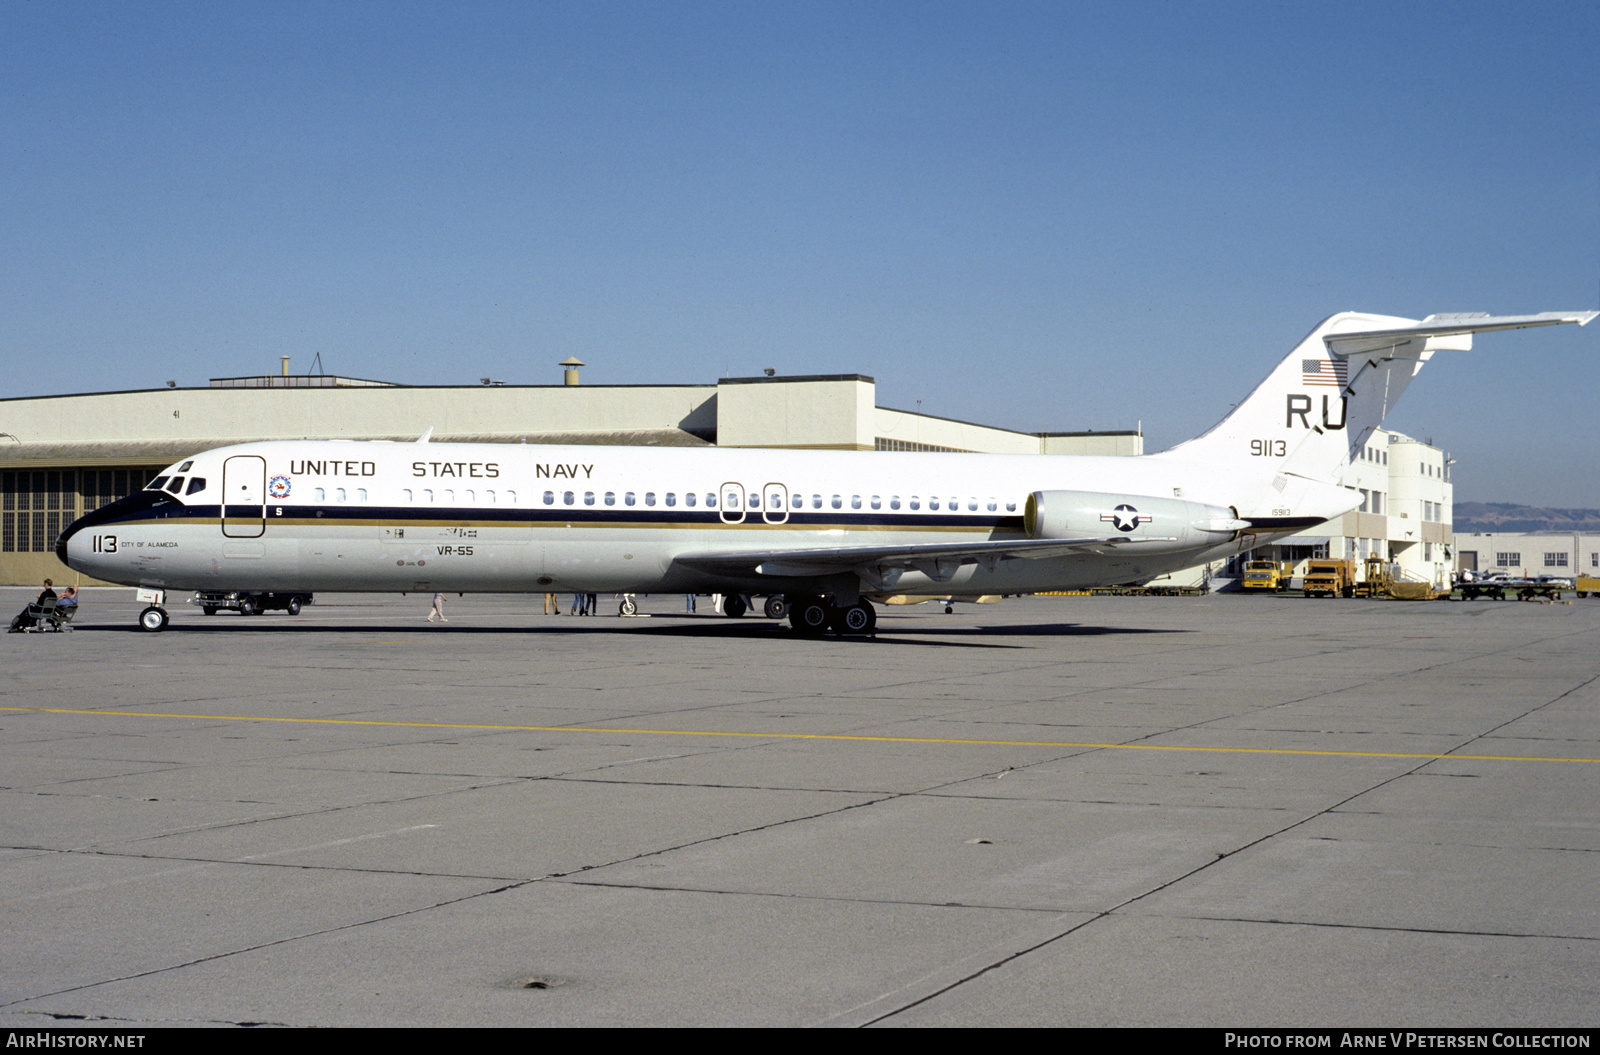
1223 811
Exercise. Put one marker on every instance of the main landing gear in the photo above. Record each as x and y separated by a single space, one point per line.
814 616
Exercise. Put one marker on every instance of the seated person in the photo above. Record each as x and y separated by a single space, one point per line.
25 620
66 608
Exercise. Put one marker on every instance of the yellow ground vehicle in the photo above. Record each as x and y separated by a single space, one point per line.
1586 585
1377 580
1267 575
1330 578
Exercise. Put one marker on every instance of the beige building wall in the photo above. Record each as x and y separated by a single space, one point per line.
807 413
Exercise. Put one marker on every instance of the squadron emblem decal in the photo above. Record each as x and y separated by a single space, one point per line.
279 487
1125 517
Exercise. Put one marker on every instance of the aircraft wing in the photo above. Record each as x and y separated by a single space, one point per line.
938 560
1448 326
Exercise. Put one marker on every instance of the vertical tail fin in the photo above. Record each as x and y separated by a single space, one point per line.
1321 404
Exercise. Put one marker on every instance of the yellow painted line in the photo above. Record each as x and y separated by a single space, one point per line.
794 736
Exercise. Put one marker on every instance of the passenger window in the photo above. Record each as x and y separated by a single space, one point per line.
427 494
916 503
198 483
731 500
798 501
649 498
361 494
672 498
855 501
566 498
688 499
776 501
933 503
320 495
407 493
876 504
511 496
838 503
1011 507
338 495
972 505
549 498
816 501
755 500
627 499
449 497
588 498
894 501
611 498
711 500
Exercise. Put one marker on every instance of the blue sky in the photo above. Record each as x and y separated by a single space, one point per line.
1040 216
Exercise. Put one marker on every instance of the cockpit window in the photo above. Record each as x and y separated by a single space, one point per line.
176 486
157 484
185 467
197 483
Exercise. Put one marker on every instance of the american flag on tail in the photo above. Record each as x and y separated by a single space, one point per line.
1332 372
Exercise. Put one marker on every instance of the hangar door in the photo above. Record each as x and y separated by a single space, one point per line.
244 496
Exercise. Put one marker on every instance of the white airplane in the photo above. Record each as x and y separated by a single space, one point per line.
830 531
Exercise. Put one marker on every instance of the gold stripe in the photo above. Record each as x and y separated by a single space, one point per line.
983 533
803 736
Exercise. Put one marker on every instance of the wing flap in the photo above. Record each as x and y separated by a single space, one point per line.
935 558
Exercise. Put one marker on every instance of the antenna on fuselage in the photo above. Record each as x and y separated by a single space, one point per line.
426 435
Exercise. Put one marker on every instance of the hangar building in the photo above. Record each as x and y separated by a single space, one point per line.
63 456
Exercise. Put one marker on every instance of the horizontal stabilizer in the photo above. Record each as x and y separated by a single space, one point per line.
1354 343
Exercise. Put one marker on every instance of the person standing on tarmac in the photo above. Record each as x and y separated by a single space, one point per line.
437 609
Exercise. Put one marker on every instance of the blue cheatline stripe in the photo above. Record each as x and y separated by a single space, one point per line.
545 516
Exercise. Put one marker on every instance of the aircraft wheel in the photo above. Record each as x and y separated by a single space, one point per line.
809 615
733 606
247 606
628 607
775 608
293 607
153 619
858 618
949 609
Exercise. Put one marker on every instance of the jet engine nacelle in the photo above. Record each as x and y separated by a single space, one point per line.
1086 514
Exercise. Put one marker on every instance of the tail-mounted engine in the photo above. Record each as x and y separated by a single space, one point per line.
1085 514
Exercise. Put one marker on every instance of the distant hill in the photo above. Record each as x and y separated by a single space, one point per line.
1503 516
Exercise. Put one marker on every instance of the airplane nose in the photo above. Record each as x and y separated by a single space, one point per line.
61 541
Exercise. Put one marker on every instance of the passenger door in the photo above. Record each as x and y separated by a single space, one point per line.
244 496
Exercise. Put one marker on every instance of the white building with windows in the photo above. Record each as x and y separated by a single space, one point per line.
1404 517
1526 555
